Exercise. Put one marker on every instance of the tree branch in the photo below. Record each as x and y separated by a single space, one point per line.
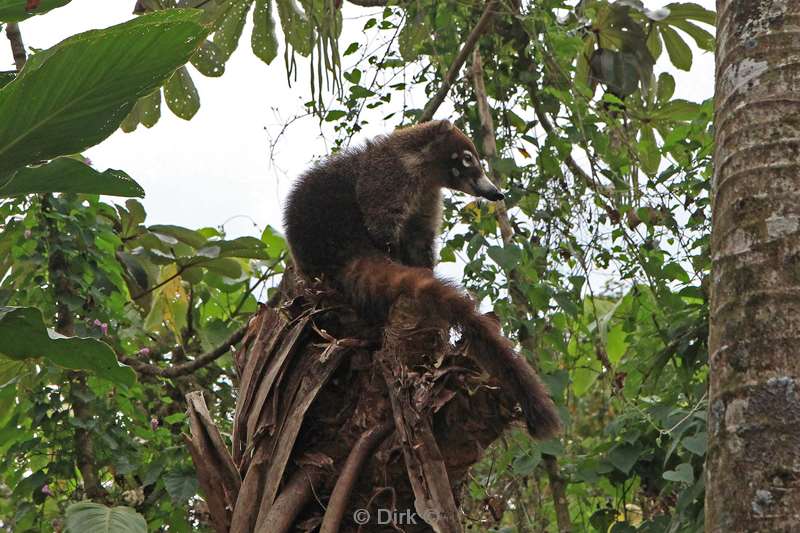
488 141
489 146
361 452
17 46
463 54
369 3
188 367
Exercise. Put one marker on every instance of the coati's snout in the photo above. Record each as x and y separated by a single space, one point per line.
467 175
486 189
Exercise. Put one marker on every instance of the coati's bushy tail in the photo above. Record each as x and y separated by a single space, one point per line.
374 283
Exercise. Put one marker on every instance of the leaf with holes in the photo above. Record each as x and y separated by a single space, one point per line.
263 41
181 94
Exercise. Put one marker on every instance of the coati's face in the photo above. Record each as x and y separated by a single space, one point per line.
463 168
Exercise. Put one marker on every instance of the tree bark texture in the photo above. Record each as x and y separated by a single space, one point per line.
753 462
336 415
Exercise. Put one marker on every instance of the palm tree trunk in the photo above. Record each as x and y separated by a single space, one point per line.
753 463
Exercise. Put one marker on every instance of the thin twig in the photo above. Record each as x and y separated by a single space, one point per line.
188 367
17 46
463 54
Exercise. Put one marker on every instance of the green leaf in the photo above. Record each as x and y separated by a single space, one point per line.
564 301
679 52
190 237
351 49
181 485
649 154
225 266
263 40
414 35
525 465
674 271
90 517
230 27
683 473
243 247
74 95
690 11
357 91
354 76
296 27
14 10
507 257
704 39
65 174
335 115
616 344
696 444
624 456
181 94
679 110
6 77
666 87
23 335
146 112
274 242
654 43
209 60
602 519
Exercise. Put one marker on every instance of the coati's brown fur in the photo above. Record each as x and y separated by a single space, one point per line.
367 219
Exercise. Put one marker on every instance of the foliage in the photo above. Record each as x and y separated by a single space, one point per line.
601 280
88 517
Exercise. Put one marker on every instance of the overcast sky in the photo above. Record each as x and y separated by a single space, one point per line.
216 169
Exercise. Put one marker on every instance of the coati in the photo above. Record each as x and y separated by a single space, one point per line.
367 219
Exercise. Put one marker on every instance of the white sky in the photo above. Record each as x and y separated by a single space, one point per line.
215 169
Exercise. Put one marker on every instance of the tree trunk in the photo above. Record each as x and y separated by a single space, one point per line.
753 463
346 425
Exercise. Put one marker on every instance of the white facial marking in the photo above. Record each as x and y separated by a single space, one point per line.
456 173
454 156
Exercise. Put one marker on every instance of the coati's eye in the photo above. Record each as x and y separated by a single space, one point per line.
467 160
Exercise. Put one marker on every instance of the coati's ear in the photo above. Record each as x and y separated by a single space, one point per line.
444 126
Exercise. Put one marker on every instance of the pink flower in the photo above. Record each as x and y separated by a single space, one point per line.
154 423
46 490
144 352
102 325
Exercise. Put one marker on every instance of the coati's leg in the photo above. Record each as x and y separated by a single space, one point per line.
417 244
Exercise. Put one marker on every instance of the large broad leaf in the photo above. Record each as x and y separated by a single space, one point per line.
16 10
89 517
75 94
23 335
70 175
624 456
